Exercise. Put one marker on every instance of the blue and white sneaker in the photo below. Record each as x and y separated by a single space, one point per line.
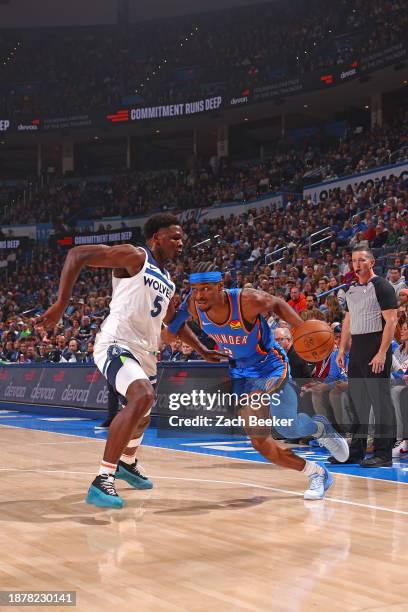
332 440
102 492
318 484
133 475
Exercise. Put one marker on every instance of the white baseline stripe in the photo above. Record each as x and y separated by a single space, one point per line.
248 485
179 450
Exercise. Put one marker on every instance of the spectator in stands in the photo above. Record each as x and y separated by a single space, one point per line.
89 355
32 355
187 353
297 300
397 281
73 355
381 235
328 398
172 351
399 393
9 353
403 297
299 368
46 354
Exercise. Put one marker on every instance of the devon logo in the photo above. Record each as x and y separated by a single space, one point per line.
235 324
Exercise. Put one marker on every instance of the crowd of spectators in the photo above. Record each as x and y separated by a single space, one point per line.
289 168
374 216
80 70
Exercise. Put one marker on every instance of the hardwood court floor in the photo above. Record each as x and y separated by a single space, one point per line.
214 534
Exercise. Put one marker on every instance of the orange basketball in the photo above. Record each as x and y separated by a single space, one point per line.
313 340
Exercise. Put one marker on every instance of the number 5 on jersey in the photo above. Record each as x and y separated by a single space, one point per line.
157 306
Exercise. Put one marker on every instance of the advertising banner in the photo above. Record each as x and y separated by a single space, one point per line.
132 235
77 386
83 386
11 244
280 88
321 191
275 202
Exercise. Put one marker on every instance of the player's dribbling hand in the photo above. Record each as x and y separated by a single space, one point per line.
213 356
51 316
377 363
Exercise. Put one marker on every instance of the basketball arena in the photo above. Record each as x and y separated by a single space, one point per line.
204 305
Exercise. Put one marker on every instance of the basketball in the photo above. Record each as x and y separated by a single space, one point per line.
313 340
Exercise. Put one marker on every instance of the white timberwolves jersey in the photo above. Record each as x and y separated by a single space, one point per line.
138 307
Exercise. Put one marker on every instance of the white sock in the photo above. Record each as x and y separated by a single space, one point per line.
320 429
134 445
107 468
311 468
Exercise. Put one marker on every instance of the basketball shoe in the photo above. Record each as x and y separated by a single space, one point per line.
318 484
102 492
332 440
133 475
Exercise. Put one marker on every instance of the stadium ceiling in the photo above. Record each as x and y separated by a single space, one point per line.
43 13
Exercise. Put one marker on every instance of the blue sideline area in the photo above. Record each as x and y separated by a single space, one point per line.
80 422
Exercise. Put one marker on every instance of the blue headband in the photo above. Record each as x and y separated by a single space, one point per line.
205 277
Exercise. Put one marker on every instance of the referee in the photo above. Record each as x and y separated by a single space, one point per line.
371 318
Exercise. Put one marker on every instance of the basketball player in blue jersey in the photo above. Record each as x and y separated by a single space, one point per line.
258 365
126 347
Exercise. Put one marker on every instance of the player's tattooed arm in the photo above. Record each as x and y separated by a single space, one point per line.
256 302
123 256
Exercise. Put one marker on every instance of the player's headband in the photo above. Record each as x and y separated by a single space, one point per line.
205 277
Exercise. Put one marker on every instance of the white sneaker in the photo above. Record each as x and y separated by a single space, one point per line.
318 485
400 447
332 440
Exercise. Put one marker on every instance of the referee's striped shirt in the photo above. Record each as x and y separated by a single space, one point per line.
365 303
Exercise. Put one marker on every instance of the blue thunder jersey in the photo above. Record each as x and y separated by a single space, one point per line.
252 349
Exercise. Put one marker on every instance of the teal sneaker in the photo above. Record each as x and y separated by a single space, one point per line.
133 475
102 493
319 484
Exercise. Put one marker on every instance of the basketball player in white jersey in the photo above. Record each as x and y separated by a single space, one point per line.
127 345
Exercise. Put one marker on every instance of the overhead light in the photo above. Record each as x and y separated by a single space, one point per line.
96 137
246 119
305 106
366 107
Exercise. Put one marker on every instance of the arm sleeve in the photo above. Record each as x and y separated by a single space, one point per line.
385 294
181 316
